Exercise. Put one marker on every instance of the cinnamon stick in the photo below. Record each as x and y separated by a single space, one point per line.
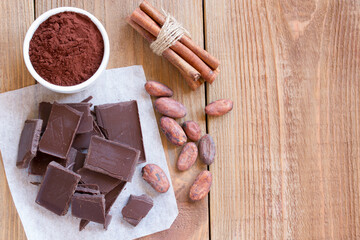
149 25
160 19
187 71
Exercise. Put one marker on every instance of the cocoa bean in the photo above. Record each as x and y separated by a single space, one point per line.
170 107
219 107
201 186
207 149
156 177
157 89
187 156
172 130
192 130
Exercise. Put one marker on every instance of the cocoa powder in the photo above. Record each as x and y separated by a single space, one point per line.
66 49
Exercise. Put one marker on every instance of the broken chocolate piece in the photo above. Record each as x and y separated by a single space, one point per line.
84 107
79 161
84 189
110 199
40 162
111 158
83 224
107 221
44 113
87 99
105 182
29 141
86 123
57 188
70 160
120 123
89 207
111 196
60 131
137 208
82 141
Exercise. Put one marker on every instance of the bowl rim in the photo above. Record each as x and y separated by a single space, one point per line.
65 89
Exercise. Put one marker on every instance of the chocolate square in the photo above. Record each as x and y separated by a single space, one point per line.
89 207
57 188
60 131
29 141
137 208
120 123
111 158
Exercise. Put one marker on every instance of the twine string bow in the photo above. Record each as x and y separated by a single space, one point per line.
170 32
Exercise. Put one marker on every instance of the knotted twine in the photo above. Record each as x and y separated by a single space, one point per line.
170 32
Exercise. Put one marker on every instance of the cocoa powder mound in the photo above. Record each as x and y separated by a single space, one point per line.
66 49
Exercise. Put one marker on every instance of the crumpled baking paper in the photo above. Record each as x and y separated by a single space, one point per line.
114 85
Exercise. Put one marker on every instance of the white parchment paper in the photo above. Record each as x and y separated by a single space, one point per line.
114 85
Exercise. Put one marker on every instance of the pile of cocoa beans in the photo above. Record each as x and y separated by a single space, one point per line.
179 136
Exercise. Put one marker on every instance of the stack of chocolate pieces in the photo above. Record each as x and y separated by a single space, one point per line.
85 158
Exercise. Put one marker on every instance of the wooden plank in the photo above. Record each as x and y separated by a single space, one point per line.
287 164
128 48
16 17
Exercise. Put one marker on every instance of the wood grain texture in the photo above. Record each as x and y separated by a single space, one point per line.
16 17
287 164
128 48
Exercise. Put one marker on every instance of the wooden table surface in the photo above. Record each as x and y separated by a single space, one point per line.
287 163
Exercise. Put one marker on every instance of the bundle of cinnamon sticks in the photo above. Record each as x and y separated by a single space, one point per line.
194 63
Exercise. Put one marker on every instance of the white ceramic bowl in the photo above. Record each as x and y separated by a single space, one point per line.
57 88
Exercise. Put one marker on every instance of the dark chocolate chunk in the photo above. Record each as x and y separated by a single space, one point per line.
79 160
44 113
82 141
105 182
137 208
87 99
39 164
60 131
107 221
83 224
120 123
57 188
111 196
89 207
133 222
86 123
111 158
110 199
70 160
82 188
29 141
